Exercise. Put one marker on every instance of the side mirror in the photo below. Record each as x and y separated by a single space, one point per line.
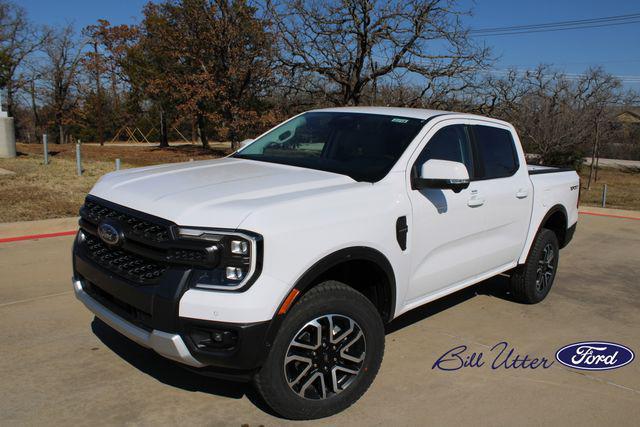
284 135
245 143
443 174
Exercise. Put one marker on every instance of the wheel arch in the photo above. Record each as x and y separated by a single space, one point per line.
556 220
346 264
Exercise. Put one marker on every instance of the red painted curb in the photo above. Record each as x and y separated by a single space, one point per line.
69 233
37 236
608 215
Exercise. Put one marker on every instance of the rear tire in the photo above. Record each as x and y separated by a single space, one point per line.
532 281
325 356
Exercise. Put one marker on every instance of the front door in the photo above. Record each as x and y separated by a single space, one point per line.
445 248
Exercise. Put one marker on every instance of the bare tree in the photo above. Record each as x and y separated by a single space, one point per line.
545 107
95 66
559 117
352 44
18 40
29 97
598 92
63 54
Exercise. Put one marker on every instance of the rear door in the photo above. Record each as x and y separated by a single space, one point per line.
504 191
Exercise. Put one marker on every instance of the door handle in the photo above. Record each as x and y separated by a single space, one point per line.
522 193
475 201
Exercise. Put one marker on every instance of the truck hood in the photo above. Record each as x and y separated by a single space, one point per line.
212 193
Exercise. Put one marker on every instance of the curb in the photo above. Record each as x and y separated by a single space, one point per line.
38 236
608 215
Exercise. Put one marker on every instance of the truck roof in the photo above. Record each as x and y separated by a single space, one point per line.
414 113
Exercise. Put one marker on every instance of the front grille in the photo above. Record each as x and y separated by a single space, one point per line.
145 230
119 307
125 264
149 248
187 255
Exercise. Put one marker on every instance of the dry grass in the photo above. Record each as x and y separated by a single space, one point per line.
623 188
40 192
133 155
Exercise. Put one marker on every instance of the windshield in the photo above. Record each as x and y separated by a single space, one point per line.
362 146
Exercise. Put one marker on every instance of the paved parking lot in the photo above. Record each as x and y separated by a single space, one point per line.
59 366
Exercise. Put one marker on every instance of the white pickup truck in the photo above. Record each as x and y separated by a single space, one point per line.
282 263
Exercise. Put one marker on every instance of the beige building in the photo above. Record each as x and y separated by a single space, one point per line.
629 117
627 144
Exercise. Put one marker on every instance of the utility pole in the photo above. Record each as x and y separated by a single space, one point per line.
594 153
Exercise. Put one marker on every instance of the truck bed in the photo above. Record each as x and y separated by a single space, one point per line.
537 169
553 188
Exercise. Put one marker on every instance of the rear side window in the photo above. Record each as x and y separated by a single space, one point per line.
497 156
449 143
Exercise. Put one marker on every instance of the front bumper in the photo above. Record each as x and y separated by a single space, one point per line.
149 315
168 345
237 363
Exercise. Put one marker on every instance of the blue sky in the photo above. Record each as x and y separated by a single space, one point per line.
617 48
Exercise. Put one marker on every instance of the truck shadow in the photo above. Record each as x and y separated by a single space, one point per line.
172 374
496 286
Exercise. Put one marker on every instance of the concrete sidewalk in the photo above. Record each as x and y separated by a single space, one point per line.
608 211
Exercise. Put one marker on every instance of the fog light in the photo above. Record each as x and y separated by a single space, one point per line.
239 247
234 273
213 339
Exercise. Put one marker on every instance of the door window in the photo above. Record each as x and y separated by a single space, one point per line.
496 152
449 143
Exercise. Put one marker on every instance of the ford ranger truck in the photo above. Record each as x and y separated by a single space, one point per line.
282 263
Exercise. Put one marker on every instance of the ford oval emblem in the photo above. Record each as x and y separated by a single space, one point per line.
595 355
110 234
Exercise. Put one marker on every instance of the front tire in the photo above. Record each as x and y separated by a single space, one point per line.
532 281
326 355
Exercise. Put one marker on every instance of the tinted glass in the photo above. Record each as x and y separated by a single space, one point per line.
496 151
362 146
449 143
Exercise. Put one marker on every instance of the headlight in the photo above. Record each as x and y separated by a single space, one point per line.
239 263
